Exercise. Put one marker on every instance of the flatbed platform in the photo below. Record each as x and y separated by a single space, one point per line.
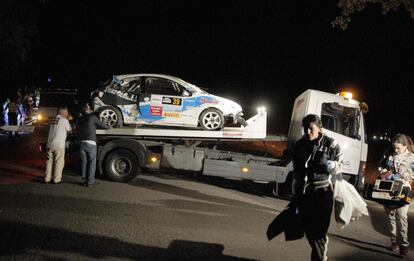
255 129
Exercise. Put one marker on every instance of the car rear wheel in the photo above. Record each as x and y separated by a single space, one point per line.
211 119
110 116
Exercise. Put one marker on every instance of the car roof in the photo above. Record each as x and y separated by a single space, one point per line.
59 91
173 78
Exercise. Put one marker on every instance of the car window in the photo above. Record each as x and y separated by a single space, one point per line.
156 85
134 86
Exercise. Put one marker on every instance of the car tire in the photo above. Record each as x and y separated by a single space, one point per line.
110 116
211 119
121 165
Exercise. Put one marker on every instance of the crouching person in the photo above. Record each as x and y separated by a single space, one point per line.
316 156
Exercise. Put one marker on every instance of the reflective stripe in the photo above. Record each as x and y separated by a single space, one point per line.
319 184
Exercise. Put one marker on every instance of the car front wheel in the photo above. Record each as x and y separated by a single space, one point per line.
211 119
110 116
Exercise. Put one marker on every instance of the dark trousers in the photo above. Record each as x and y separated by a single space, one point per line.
12 118
13 121
316 208
88 162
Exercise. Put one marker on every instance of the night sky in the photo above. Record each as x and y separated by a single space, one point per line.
258 52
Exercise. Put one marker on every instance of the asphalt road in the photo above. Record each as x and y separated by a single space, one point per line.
154 217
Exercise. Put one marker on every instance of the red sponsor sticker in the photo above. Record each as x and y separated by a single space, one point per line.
209 100
156 110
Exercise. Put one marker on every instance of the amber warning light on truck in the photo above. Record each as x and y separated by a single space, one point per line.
346 95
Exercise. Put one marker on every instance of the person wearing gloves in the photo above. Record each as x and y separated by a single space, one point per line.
87 125
316 157
398 165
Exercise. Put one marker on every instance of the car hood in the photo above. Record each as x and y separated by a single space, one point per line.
230 105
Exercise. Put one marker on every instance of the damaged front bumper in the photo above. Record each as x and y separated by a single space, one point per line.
238 119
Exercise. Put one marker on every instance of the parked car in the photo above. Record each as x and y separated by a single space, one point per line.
155 99
46 105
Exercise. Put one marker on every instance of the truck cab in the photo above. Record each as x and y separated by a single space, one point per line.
343 120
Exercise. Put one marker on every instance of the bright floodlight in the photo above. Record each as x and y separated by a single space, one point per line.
261 109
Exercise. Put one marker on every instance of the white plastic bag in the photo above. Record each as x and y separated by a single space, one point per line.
349 205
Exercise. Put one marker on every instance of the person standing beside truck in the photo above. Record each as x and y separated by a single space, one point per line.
87 125
13 113
55 153
317 157
398 165
4 110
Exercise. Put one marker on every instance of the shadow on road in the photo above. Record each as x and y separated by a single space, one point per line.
379 222
161 187
366 246
246 186
20 239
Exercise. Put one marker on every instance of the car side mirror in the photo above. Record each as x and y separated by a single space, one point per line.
186 93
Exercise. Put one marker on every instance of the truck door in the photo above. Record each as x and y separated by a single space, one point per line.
343 124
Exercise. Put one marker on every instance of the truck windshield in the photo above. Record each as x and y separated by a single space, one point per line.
340 119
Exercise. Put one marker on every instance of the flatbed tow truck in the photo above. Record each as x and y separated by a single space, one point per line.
124 152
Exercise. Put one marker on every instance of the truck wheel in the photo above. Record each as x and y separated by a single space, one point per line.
110 116
121 165
211 119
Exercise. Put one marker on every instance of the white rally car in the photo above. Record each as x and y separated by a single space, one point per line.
155 99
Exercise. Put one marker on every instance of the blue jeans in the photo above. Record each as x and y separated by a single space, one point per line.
88 162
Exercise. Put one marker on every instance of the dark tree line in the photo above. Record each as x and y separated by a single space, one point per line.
349 7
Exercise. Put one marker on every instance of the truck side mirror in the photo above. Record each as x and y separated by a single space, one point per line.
364 107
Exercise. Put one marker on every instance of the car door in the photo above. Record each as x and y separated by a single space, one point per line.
160 102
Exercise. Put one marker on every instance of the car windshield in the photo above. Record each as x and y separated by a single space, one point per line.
191 87
54 99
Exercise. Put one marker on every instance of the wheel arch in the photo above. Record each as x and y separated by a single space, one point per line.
135 146
206 108
115 107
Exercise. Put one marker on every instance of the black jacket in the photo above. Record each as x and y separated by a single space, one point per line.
87 125
310 158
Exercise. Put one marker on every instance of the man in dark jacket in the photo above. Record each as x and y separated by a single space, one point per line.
87 125
317 157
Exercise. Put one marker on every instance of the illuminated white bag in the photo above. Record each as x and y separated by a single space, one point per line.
349 205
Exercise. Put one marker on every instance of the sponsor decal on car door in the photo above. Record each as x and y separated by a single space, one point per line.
168 107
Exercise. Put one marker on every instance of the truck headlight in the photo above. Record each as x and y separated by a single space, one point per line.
261 109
